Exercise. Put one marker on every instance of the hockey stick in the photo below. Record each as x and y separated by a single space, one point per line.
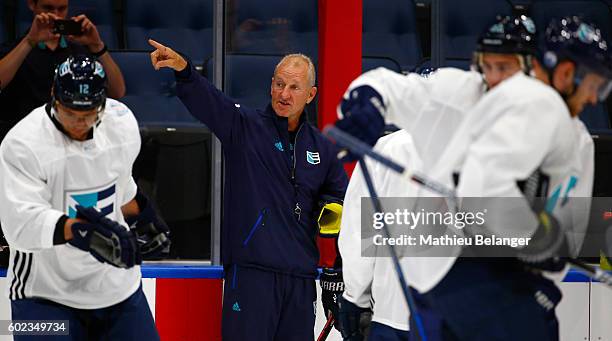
362 149
327 328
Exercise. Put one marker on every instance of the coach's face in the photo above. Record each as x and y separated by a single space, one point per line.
57 7
291 90
497 67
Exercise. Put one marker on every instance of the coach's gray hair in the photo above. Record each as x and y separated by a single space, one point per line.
303 58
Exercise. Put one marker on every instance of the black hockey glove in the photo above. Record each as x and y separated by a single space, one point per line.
105 239
546 246
332 287
150 229
354 322
4 251
362 115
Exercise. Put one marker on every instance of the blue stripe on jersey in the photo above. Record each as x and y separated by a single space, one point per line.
107 210
103 194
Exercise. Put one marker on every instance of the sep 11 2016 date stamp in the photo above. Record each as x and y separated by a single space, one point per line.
34 327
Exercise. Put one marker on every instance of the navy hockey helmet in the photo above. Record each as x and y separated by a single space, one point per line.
509 35
573 39
80 83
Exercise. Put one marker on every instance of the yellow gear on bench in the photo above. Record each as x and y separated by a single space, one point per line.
329 219
604 262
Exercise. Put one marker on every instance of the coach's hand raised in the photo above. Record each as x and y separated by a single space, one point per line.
164 56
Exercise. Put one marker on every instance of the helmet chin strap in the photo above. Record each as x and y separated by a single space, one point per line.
526 63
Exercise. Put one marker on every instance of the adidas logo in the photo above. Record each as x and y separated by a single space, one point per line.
236 307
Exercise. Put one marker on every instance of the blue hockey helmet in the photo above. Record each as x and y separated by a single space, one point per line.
80 83
582 43
508 35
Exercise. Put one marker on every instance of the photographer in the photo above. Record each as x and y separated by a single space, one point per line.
26 65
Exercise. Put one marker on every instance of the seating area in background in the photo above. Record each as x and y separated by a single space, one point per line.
390 31
186 25
397 34
151 94
272 27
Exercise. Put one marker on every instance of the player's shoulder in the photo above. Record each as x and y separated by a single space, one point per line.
117 109
523 87
400 137
32 127
398 144
118 117
35 132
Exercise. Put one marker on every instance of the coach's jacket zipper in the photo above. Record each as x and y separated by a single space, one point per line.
297 211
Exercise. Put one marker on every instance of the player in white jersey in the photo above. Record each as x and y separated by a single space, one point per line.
66 194
430 109
528 128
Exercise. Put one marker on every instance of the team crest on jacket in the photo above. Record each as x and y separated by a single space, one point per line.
313 157
102 198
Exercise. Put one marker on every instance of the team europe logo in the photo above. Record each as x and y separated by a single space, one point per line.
102 198
313 158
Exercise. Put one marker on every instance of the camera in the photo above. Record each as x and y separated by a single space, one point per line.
67 27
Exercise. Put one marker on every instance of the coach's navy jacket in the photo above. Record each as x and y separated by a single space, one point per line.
272 191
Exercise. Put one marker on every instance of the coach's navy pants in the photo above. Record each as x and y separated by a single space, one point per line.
267 306
489 299
128 320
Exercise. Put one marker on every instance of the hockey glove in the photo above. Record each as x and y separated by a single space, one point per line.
4 251
354 322
150 230
332 287
546 245
362 114
105 239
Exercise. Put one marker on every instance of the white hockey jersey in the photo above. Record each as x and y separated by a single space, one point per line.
430 108
518 127
43 175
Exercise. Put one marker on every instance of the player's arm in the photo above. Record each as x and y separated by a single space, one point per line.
41 30
381 96
205 102
28 218
402 95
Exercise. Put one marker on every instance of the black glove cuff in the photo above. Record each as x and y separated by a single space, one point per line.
58 234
